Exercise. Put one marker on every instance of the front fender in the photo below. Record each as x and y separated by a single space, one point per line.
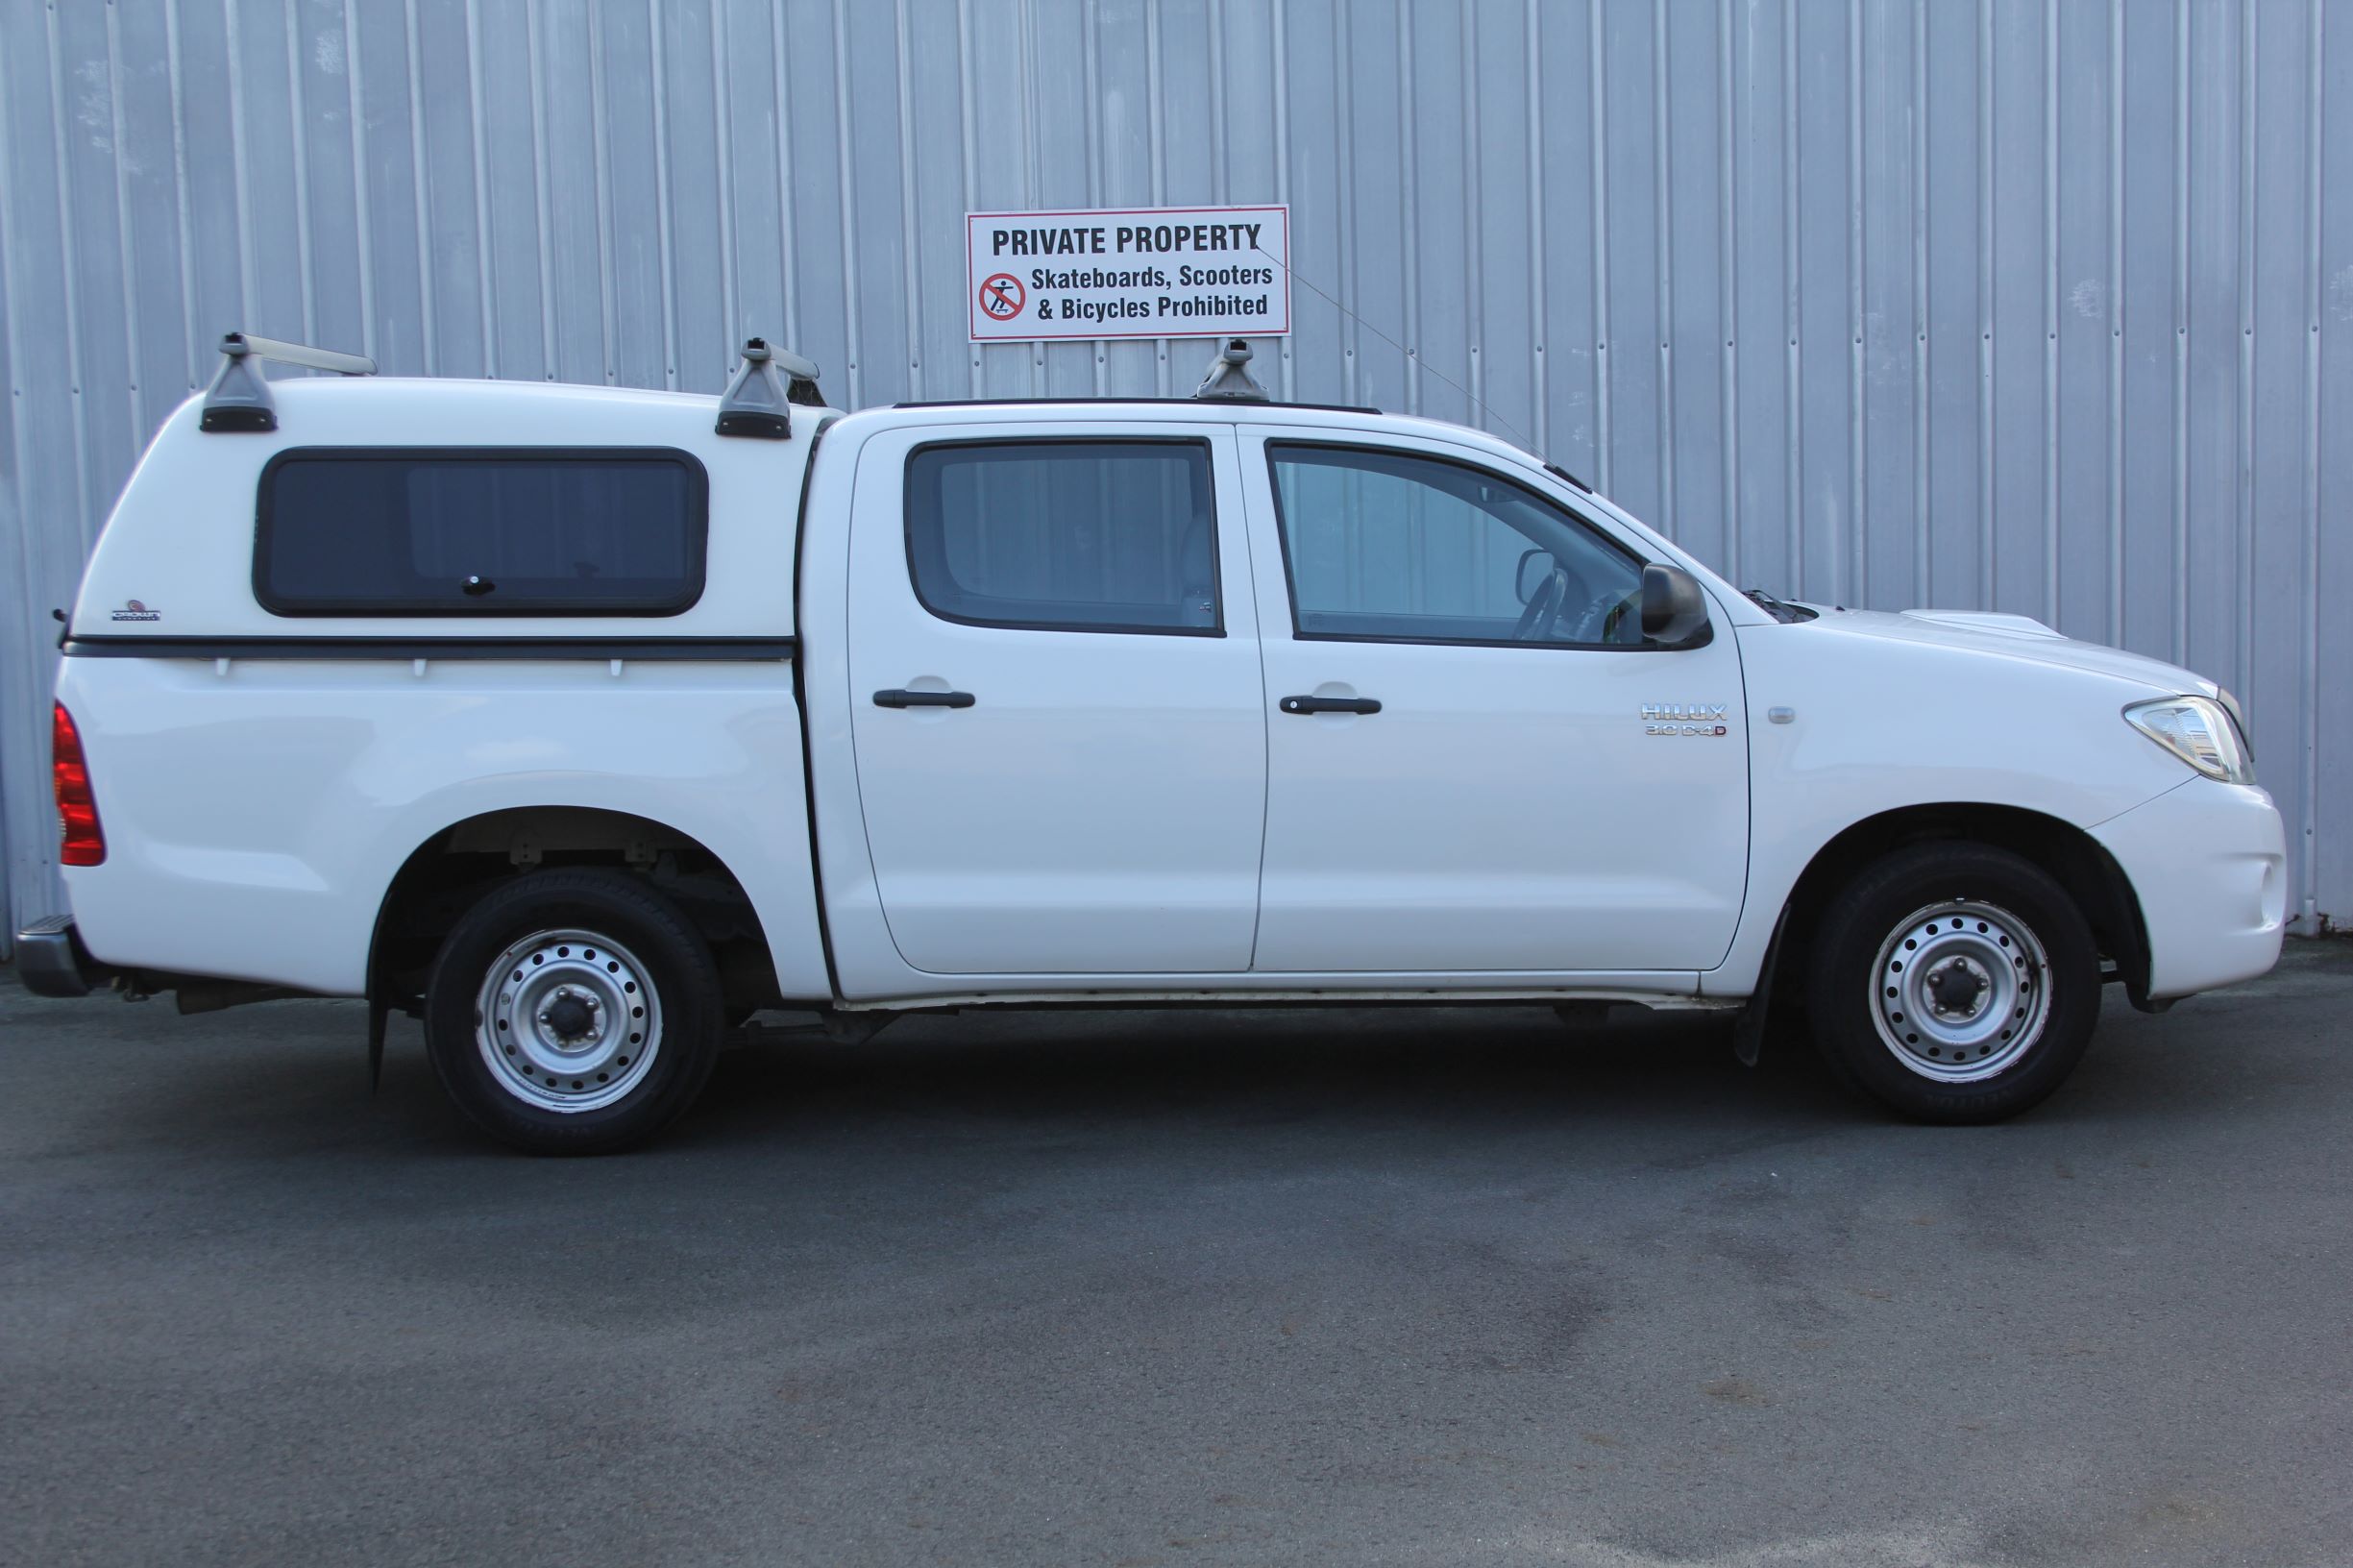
1876 725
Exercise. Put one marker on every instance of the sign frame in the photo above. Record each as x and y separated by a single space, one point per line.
1093 333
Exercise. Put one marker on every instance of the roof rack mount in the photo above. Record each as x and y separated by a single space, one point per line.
239 396
1230 379
759 396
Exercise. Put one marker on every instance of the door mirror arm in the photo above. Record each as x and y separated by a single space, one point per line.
1674 608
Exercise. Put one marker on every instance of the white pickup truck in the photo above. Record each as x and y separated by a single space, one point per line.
583 723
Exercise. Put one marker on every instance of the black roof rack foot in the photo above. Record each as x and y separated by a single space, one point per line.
758 400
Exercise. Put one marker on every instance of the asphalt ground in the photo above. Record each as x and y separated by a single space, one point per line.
1363 1288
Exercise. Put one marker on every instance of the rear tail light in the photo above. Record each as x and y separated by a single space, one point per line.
84 844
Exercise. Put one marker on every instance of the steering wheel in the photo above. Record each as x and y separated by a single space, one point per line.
1599 620
1543 605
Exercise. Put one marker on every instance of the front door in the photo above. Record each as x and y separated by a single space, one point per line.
1462 773
1056 699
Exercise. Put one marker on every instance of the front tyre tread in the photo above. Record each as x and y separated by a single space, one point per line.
1843 968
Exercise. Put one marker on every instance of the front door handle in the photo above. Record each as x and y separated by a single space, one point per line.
900 699
1329 704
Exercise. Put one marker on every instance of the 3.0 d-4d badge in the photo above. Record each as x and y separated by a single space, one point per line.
1685 718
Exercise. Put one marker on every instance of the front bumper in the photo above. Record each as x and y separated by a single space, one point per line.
2209 863
52 961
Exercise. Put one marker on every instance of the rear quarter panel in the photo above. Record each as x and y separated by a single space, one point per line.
257 810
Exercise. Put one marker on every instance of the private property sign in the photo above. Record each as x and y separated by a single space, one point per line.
1151 272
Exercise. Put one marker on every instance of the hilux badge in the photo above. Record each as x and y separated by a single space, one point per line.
1685 718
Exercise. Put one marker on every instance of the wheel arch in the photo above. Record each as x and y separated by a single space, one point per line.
2081 865
457 864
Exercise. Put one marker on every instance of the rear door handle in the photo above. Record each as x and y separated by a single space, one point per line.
1329 704
900 699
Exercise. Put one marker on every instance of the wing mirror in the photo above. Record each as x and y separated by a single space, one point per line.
1521 584
1674 610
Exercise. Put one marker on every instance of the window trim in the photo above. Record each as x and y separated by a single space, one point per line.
698 538
1290 579
1202 443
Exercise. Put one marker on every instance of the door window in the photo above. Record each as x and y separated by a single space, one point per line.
1385 545
1066 536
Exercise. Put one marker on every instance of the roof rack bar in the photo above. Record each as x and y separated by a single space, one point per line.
800 378
239 396
303 354
1114 397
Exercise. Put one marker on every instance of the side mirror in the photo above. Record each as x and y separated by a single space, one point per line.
1673 607
1521 584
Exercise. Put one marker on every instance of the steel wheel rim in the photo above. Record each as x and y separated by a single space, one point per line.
1961 991
568 1020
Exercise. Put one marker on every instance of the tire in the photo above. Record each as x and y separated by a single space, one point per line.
1955 983
573 1012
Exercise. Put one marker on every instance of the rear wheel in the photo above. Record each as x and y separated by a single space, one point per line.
1955 983
573 1012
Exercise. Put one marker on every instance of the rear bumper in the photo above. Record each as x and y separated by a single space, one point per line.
52 961
2209 863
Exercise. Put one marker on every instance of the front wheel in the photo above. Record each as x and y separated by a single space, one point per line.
1955 983
573 1012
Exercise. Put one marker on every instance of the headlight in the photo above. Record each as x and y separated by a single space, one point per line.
2199 731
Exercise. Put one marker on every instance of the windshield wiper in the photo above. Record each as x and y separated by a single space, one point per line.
1779 609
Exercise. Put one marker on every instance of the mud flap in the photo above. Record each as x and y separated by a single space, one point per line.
1749 1034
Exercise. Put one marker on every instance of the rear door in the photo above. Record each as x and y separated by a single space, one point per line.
1056 697
1475 762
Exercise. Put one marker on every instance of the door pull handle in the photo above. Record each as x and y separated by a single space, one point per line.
899 699
1329 704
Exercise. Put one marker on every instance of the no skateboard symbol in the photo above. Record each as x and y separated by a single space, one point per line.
1001 297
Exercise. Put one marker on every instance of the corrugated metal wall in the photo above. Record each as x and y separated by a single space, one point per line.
2038 305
